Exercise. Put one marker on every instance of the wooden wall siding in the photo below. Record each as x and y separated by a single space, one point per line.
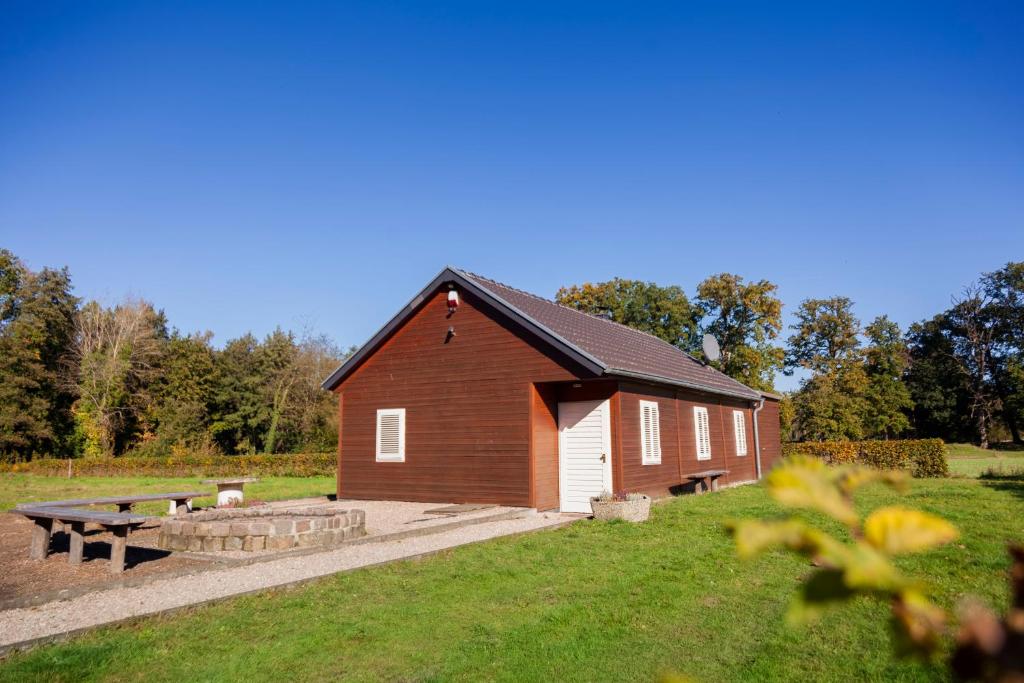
544 440
678 439
468 406
652 479
769 432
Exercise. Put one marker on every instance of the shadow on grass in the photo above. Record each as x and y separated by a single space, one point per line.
1011 481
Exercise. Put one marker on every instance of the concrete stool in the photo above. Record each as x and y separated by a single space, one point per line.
230 489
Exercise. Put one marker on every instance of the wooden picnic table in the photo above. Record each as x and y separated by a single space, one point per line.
702 480
119 523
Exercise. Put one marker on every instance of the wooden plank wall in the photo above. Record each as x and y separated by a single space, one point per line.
468 406
678 439
544 435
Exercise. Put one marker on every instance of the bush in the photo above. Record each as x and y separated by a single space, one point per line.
296 465
921 457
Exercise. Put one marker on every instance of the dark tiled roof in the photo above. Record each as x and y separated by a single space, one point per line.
617 347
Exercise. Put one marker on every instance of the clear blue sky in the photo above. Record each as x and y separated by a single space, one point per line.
244 166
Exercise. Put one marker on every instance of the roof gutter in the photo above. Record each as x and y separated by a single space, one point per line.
678 383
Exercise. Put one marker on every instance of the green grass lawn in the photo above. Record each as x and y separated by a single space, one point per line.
593 601
25 488
970 461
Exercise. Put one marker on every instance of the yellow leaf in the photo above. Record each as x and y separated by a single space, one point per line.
805 483
754 537
896 530
868 570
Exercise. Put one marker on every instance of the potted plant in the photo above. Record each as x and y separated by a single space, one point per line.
632 507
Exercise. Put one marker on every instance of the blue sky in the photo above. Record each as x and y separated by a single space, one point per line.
314 164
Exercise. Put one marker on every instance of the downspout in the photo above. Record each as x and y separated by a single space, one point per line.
757 438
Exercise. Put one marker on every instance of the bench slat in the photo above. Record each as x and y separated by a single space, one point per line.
709 473
65 514
115 500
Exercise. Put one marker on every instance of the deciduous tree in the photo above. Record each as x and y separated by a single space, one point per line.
664 312
887 397
745 318
830 403
114 359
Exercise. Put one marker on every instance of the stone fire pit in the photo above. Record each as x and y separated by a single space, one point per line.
264 528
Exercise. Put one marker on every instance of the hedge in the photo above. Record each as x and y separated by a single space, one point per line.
922 457
296 465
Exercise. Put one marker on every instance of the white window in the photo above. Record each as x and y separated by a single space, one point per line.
391 435
702 429
740 425
650 433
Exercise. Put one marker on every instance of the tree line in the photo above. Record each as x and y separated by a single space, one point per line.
958 375
84 379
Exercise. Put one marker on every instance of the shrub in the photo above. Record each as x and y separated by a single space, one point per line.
294 465
921 457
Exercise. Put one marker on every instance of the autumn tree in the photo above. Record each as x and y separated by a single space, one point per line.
887 397
830 403
36 325
114 359
664 312
314 411
744 318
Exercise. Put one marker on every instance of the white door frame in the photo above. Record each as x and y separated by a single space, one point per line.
606 449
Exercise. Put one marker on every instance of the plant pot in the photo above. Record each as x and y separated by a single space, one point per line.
630 510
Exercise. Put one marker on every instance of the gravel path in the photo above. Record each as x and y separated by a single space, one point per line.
103 607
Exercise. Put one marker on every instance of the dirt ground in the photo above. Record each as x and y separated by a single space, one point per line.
22 578
24 581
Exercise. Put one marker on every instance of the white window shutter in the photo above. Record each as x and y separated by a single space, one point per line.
650 433
740 426
702 430
391 435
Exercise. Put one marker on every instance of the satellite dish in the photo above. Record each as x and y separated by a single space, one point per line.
711 350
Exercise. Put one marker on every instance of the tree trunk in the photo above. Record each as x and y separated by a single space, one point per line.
982 429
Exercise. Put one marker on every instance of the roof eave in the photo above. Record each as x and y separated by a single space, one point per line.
749 395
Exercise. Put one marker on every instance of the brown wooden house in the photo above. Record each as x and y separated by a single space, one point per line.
512 399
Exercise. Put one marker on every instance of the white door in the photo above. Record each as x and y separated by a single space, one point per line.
584 453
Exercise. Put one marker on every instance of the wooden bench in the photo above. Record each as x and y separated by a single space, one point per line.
119 523
706 481
179 501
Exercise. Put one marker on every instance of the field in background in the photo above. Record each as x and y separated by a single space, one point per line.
25 488
968 460
593 601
